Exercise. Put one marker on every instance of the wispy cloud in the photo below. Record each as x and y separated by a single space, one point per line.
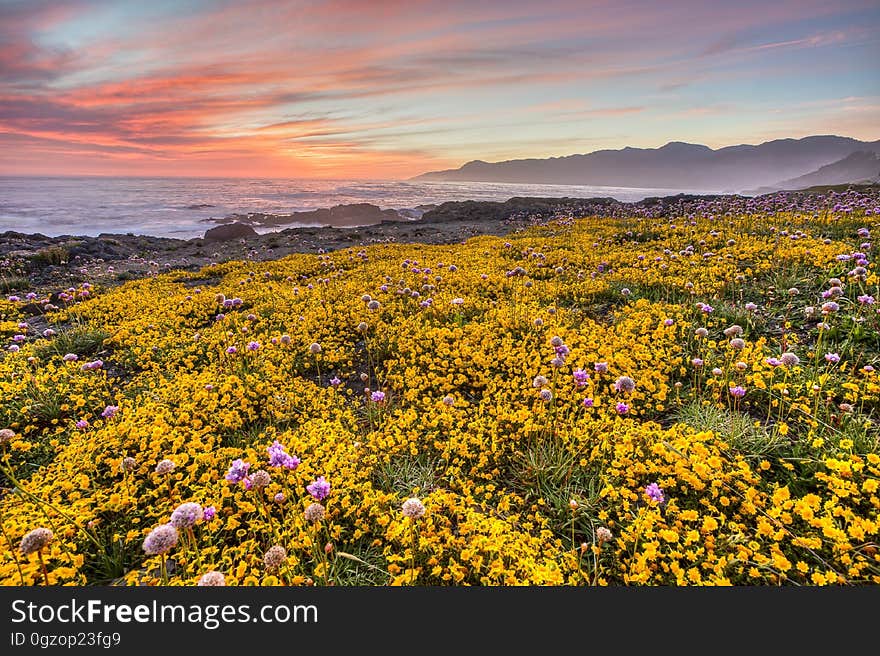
356 87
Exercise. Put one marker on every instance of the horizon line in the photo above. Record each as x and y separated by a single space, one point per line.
417 175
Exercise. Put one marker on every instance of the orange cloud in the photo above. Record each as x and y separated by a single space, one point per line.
357 87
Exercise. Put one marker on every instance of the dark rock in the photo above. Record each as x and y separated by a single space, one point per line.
33 309
411 213
514 208
97 248
229 232
339 216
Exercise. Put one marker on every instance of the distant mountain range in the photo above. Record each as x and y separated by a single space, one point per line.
860 166
779 164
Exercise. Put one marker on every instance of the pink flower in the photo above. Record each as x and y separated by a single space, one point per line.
237 471
278 456
655 493
319 489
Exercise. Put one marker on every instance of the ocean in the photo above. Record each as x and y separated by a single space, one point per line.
179 207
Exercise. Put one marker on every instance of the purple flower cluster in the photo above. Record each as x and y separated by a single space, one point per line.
238 471
278 456
161 539
655 493
187 515
319 489
561 351
624 384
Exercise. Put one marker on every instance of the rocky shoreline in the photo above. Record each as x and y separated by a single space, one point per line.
36 262
338 216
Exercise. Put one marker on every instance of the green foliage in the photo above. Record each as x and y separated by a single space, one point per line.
81 340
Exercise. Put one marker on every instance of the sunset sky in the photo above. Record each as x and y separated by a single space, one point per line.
387 89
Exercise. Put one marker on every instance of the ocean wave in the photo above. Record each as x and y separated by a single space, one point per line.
177 206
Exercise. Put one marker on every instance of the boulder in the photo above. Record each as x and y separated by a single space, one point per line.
229 232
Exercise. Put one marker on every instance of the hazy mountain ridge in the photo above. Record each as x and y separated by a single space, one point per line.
860 166
676 165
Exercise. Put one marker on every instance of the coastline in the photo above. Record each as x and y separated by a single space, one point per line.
36 261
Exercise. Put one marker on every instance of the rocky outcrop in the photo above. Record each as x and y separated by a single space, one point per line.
229 232
520 208
339 216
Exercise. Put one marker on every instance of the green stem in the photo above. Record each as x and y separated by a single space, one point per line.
326 557
414 536
43 567
192 539
41 502
11 548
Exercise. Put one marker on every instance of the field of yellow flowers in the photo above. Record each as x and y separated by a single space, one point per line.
600 401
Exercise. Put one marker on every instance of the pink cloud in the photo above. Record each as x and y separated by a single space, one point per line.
307 86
